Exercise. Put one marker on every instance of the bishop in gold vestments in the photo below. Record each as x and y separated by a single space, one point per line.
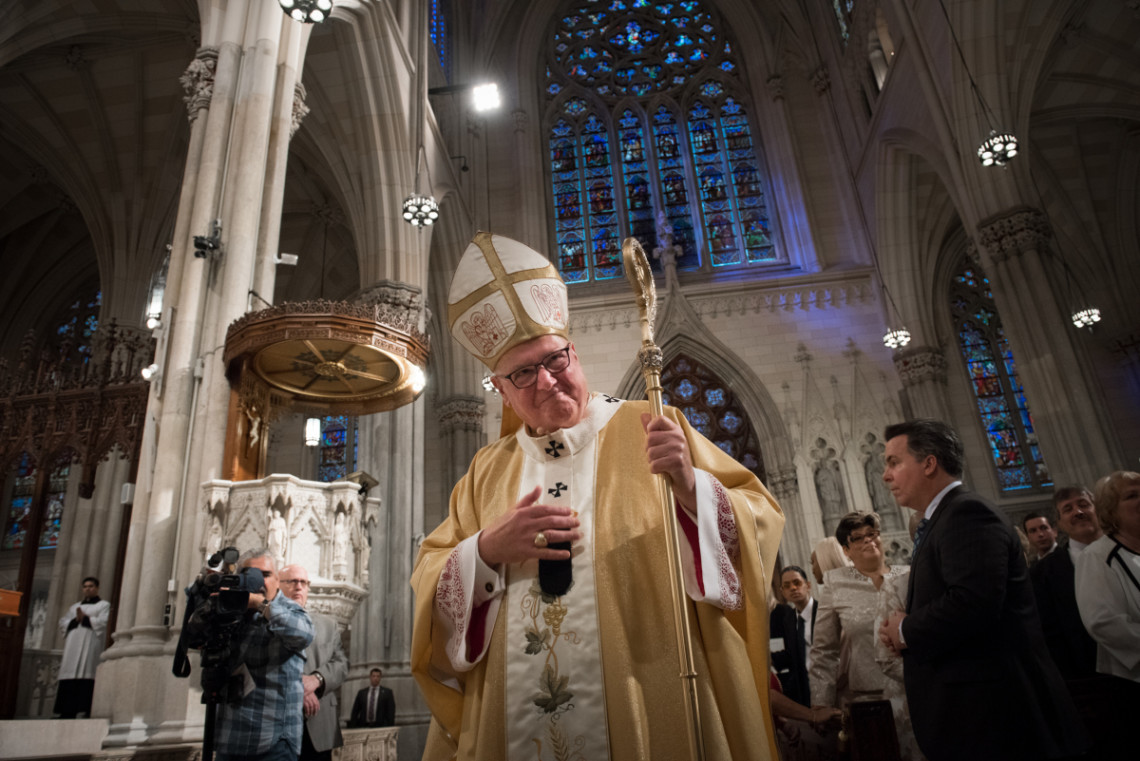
513 671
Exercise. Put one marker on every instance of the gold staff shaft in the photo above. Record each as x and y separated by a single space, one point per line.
641 278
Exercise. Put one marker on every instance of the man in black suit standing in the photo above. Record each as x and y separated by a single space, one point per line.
1073 650
374 705
979 679
790 628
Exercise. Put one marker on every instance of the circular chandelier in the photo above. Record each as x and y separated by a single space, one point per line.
1086 318
307 11
997 149
896 338
420 210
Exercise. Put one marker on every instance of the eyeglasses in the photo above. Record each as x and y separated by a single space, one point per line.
555 362
860 538
299 582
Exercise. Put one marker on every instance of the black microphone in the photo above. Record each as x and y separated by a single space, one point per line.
555 577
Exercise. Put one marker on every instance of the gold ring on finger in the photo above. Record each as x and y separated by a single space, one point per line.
540 540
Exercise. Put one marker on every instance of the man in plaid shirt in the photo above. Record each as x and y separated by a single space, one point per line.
266 724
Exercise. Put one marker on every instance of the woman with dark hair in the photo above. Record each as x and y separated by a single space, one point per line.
843 663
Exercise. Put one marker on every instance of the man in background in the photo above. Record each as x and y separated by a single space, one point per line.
790 632
1042 535
84 631
1073 650
374 705
326 668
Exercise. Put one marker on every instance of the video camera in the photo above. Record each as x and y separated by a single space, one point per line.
216 605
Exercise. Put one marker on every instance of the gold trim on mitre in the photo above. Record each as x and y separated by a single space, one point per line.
503 294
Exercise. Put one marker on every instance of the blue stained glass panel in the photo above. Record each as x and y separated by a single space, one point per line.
1002 406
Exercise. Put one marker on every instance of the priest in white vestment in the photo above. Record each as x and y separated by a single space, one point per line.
84 629
544 621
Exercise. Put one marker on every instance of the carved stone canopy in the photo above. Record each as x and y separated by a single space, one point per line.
324 357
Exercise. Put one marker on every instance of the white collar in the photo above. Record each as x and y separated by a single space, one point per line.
938 499
574 439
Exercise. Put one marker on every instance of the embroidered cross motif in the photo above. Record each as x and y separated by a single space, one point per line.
610 399
552 450
558 489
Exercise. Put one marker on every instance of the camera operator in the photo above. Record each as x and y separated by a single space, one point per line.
265 723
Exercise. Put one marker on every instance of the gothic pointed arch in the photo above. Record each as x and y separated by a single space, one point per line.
686 335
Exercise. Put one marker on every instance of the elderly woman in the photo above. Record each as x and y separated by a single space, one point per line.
826 556
1108 578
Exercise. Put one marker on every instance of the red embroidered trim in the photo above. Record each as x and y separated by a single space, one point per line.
450 600
729 556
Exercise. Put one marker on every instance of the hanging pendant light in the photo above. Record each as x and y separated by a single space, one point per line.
420 210
307 11
1086 318
894 339
997 149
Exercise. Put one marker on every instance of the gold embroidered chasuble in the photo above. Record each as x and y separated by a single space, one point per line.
624 591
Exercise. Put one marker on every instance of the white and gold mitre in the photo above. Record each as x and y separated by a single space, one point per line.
503 294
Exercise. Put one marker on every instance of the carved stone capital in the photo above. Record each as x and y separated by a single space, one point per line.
401 305
1014 233
821 80
784 483
461 413
198 82
522 120
300 110
920 364
776 87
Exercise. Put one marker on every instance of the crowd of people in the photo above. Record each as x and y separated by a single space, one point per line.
986 646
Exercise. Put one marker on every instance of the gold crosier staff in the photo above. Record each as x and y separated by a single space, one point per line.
641 278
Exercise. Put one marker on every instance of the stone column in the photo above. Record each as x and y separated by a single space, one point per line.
231 89
922 370
461 423
795 547
1068 411
391 448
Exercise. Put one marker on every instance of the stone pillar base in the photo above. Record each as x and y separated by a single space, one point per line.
44 738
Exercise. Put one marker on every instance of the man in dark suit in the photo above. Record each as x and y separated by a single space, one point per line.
979 679
1073 650
326 668
790 628
374 705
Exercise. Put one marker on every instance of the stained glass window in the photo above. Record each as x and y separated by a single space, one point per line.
687 161
23 481
585 210
992 371
439 30
338 447
78 322
712 408
843 11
